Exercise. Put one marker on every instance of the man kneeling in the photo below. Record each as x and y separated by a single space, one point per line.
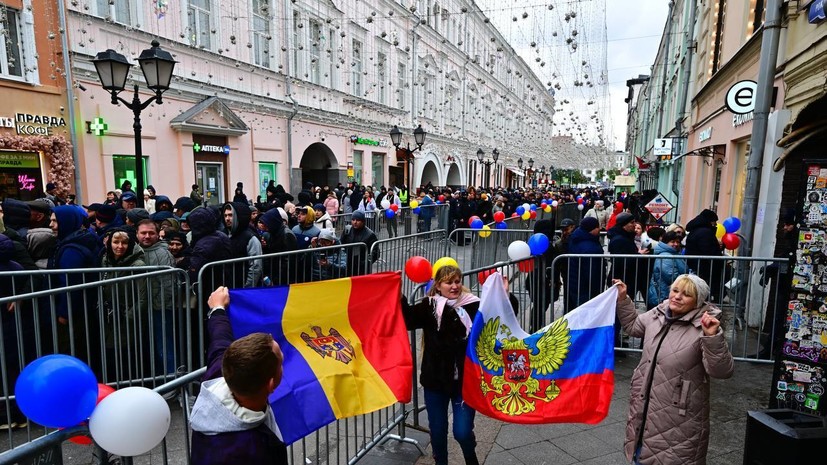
232 421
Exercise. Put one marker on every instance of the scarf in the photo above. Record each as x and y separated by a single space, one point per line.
464 299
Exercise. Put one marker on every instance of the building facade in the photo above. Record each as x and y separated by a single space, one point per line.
302 91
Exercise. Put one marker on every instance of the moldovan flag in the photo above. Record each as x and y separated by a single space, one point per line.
563 373
345 345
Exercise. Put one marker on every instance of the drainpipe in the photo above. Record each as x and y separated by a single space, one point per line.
763 95
289 89
70 99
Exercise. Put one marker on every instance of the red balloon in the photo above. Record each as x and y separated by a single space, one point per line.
532 214
483 275
418 269
514 215
731 241
526 266
103 391
471 220
543 205
499 217
394 207
441 198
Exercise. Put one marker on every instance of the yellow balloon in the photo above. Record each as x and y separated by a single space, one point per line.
526 215
444 261
486 231
547 209
414 204
720 230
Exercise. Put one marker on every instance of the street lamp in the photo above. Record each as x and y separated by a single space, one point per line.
495 154
113 69
419 139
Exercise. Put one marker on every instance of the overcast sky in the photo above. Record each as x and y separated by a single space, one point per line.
634 32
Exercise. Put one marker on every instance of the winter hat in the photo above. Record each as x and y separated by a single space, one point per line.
358 216
184 203
701 287
327 234
239 185
106 214
137 214
41 205
589 224
709 216
566 223
50 186
319 207
624 218
282 213
161 216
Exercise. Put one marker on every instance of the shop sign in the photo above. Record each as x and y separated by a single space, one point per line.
28 124
225 149
26 182
19 160
816 12
740 98
740 120
624 181
662 147
705 135
659 206
364 141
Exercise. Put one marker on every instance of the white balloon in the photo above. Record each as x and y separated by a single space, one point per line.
645 240
527 207
519 250
580 206
130 421
386 204
555 203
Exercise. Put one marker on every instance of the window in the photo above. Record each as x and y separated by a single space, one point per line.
124 169
199 13
356 78
119 11
261 33
298 43
315 52
381 76
331 58
357 166
401 79
378 169
11 51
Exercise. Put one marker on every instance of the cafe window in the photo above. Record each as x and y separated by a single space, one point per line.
20 175
124 169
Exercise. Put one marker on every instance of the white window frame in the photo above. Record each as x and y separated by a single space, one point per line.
297 39
401 80
382 76
314 50
357 57
331 58
26 46
262 40
135 8
213 38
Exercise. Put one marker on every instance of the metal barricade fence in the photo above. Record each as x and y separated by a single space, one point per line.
393 253
753 311
403 223
474 248
128 324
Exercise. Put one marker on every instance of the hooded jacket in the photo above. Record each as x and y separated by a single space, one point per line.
16 215
208 245
223 432
701 240
244 243
128 299
163 203
162 286
633 272
586 276
76 248
664 273
324 221
279 238
673 375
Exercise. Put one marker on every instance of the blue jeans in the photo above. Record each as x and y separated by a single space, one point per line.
436 404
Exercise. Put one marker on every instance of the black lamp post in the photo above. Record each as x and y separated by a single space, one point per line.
520 163
113 69
495 154
419 139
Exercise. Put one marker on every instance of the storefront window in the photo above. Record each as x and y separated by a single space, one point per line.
357 166
124 169
20 176
378 169
266 173
740 186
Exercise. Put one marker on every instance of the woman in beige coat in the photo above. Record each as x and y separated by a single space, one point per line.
683 346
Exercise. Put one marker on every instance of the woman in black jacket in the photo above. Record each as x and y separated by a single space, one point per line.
445 317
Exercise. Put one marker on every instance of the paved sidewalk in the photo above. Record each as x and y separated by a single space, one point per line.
602 444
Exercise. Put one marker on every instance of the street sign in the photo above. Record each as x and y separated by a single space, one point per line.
740 98
659 206
662 147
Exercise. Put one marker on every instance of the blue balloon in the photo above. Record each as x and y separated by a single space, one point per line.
501 225
428 285
389 213
57 391
732 224
538 243
533 208
476 224
520 210
439 202
416 211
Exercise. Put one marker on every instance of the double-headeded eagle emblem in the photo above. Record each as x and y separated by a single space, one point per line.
333 345
515 391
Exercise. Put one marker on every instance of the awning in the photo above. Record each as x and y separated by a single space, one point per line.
516 170
710 152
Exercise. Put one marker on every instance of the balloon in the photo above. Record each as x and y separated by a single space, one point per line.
547 209
428 285
441 198
731 241
414 204
416 211
385 204
519 210
580 201
502 225
438 202
543 205
526 266
483 275
538 243
519 250
732 224
720 230
57 391
526 207
130 421
418 269
499 217
472 219
103 391
395 208
580 207
533 208
515 214
532 214
444 261
486 231
476 224
526 215
389 213
554 203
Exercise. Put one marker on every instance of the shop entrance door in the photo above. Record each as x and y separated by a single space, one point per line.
210 178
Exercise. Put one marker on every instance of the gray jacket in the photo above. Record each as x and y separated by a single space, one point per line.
161 287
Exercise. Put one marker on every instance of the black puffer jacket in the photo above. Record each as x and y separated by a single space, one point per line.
208 245
701 241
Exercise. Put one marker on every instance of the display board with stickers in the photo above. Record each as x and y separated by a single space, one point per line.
800 376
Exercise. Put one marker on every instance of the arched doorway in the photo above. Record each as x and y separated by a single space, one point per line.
454 179
430 174
318 166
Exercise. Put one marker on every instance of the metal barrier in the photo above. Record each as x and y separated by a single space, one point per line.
404 222
393 253
474 248
130 327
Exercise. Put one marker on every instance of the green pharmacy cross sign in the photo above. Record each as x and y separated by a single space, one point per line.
196 147
98 127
